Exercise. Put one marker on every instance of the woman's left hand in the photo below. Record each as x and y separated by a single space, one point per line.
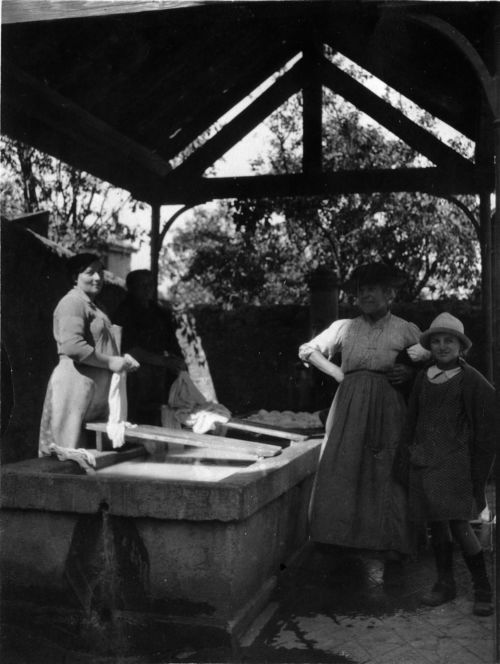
131 364
399 374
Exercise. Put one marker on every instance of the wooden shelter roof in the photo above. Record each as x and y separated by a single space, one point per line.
122 89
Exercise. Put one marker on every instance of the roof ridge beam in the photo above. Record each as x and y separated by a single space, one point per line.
249 118
392 119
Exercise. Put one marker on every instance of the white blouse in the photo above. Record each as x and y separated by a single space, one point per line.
362 343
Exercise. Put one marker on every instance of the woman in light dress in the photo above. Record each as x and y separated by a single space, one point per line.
79 385
356 501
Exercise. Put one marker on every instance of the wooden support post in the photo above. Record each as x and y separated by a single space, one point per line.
155 244
312 111
485 166
486 289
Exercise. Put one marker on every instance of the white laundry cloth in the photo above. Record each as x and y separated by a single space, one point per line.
191 408
208 417
81 456
117 402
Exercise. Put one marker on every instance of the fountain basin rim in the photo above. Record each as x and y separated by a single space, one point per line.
25 486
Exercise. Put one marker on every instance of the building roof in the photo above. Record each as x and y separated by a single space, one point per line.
123 89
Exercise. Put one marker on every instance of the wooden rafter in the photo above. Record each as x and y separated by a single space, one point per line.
240 126
392 119
244 86
466 48
392 68
98 145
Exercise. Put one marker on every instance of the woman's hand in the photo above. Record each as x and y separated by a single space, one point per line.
336 372
174 364
400 373
117 364
131 363
319 361
417 353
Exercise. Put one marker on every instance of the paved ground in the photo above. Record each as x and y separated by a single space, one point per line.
335 607
331 607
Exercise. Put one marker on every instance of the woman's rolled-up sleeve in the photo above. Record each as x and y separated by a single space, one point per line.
327 342
70 329
412 334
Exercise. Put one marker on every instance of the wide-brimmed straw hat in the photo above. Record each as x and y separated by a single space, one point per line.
445 323
374 273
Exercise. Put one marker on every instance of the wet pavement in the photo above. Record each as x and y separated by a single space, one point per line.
336 607
331 606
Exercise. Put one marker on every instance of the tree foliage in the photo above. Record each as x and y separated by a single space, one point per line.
210 261
84 211
261 251
430 238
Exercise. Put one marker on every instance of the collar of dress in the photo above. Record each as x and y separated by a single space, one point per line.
83 296
379 321
434 371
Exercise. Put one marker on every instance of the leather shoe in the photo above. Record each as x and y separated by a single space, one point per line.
440 594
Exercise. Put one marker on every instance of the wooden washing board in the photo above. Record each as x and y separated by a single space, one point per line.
148 433
265 430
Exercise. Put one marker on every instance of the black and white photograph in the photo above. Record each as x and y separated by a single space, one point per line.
250 331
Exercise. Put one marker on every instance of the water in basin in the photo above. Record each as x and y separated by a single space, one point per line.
181 463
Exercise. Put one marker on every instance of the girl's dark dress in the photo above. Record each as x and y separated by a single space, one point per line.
440 471
451 431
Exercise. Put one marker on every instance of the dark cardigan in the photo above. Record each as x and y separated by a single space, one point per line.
480 408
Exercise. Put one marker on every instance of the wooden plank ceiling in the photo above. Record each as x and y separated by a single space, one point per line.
123 95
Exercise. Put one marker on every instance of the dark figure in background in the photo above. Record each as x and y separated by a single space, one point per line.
148 335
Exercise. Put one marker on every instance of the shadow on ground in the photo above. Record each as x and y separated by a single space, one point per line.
334 606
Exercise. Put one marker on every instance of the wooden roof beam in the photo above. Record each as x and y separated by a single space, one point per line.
393 71
436 181
22 11
241 125
392 119
225 101
466 48
31 112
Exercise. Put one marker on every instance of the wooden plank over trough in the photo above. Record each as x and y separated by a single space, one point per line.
163 435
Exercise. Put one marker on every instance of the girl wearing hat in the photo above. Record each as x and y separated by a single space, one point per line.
79 386
357 503
450 432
